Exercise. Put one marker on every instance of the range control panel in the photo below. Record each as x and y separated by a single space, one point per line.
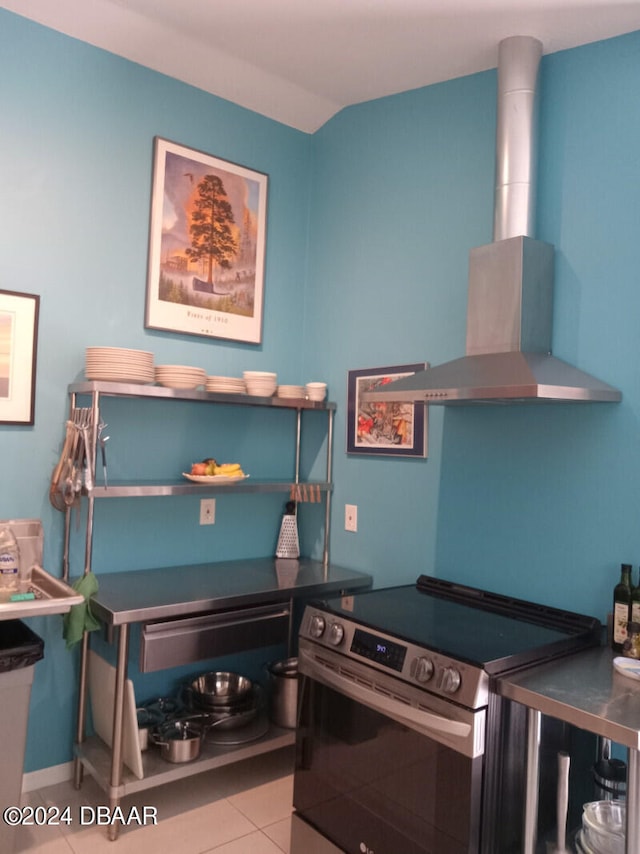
432 671
379 650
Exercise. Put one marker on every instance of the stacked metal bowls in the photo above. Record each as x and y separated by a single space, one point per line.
225 699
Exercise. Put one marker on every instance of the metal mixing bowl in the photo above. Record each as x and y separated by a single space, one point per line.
221 688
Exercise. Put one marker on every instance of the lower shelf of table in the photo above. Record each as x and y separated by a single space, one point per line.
96 760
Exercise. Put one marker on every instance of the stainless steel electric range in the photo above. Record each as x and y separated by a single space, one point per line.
403 746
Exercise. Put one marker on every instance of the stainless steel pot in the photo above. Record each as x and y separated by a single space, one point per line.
283 692
179 740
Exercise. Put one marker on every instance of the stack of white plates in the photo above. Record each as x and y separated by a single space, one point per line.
180 376
260 383
117 364
296 391
227 385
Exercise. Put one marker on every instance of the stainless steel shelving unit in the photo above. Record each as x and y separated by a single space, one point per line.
142 489
95 391
106 764
97 758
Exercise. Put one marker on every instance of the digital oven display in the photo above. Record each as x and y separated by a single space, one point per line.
376 649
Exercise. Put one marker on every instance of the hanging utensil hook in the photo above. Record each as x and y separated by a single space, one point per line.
102 440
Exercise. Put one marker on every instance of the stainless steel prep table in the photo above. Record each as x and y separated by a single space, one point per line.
141 596
586 691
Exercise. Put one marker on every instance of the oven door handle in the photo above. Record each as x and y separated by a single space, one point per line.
417 719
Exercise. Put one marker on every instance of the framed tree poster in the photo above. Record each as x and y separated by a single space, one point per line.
206 245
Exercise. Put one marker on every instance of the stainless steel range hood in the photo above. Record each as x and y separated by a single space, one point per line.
509 314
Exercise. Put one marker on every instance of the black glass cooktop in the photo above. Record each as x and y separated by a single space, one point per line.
491 631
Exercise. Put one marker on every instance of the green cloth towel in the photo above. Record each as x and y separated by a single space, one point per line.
79 618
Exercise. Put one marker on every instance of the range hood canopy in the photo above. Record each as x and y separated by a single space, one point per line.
506 378
509 313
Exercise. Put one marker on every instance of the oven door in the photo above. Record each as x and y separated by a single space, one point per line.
382 767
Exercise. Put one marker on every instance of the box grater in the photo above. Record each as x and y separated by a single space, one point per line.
288 543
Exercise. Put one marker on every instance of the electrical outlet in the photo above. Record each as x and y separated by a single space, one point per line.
207 511
351 517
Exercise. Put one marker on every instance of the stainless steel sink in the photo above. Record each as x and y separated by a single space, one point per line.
52 596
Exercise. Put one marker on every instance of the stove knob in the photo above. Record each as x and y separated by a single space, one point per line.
450 681
336 634
317 626
424 669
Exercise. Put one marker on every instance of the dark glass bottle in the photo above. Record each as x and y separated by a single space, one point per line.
621 607
635 603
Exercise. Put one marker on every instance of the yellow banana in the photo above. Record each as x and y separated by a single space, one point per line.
230 469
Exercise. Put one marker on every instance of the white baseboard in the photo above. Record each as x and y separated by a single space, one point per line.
47 777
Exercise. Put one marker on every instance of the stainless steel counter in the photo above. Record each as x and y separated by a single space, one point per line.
169 592
584 690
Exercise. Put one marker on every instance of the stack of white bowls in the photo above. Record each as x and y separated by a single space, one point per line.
180 376
292 391
260 383
603 828
117 364
316 391
226 385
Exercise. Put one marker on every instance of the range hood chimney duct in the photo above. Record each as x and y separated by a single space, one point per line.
510 302
516 137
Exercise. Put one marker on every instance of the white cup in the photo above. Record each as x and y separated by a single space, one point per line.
316 391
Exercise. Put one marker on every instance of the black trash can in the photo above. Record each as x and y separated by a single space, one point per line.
20 649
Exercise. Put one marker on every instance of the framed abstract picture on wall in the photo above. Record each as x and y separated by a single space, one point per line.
18 355
384 428
207 241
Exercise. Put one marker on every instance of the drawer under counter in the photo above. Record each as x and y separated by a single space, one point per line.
170 643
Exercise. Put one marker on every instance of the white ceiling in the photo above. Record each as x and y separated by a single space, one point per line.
301 61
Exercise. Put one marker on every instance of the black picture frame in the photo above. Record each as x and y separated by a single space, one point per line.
381 428
19 314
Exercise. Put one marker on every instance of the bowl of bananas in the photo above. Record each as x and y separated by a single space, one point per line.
210 471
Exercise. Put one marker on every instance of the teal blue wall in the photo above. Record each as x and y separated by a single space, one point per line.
75 175
544 502
369 227
402 190
539 502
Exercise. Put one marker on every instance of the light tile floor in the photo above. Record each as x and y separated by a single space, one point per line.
239 809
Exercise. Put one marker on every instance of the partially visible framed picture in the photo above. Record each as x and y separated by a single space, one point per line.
206 245
18 354
384 428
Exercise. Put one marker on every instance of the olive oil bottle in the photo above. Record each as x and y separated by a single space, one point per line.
635 603
622 595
